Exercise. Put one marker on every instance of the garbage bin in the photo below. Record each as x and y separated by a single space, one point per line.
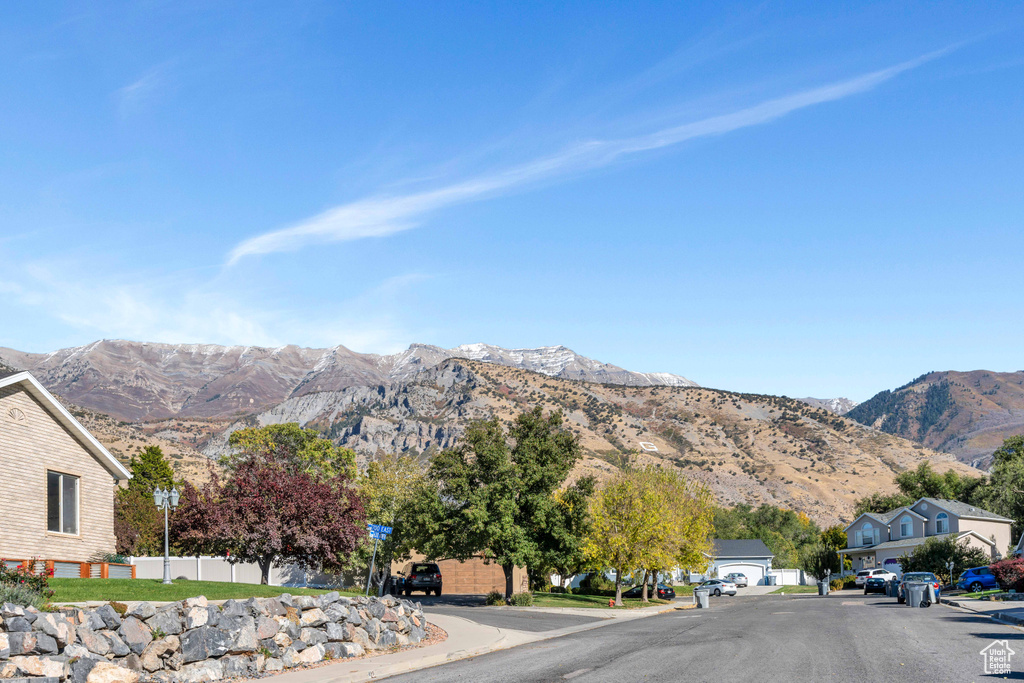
929 595
915 593
892 588
822 587
700 598
769 580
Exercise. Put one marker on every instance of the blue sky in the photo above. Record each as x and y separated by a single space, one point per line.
795 198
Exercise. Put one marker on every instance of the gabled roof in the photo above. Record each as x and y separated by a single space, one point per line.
880 517
60 413
906 508
741 547
964 510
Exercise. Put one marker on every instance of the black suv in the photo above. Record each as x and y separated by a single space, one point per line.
422 576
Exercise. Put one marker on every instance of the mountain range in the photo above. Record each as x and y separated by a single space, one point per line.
968 414
815 455
139 381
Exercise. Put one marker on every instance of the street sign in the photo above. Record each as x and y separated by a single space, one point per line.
379 528
378 536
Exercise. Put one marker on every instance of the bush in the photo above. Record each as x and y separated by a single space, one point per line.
557 589
495 598
19 595
596 581
845 582
25 578
521 600
1010 573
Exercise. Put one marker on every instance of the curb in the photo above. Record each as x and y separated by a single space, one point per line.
996 616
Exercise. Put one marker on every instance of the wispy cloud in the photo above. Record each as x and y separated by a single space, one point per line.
175 310
385 215
132 97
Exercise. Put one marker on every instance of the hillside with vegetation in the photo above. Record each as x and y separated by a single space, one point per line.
749 448
967 414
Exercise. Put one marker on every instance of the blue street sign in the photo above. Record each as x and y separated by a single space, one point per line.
379 528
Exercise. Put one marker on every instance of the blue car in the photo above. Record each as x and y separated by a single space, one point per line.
977 579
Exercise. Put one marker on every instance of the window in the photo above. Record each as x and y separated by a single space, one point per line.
61 503
942 523
868 534
906 527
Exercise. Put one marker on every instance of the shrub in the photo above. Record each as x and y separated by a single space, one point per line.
521 600
24 577
495 598
597 581
557 589
1010 573
843 583
20 595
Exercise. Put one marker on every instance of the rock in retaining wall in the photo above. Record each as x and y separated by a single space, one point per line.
192 641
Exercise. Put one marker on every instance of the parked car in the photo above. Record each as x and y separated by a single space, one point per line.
739 579
863 575
874 584
422 576
664 592
720 587
977 579
927 577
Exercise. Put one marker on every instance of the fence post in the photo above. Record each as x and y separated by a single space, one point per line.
199 568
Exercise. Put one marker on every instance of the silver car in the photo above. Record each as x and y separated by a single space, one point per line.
720 587
739 579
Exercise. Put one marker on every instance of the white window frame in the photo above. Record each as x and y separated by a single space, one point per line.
60 503
910 526
943 517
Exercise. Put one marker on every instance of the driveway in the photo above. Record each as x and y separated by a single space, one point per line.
845 636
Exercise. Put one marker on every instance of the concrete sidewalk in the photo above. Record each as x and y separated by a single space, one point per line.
466 639
1000 610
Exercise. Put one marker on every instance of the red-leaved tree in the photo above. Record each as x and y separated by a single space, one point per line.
1010 573
272 515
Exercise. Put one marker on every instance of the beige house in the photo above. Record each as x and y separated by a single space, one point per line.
877 540
56 480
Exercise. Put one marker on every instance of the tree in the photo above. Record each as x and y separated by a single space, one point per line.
266 514
786 533
388 488
652 519
834 537
487 496
935 554
924 482
880 503
819 558
562 540
138 524
292 448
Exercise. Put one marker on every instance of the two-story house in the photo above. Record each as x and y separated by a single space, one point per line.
877 540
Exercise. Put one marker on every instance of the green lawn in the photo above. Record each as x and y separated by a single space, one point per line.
596 601
979 594
794 589
122 590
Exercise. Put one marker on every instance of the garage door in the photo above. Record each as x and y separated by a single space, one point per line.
753 572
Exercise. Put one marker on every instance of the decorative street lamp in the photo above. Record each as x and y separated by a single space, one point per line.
167 500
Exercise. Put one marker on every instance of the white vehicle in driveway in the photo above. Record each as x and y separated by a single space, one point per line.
864 574
739 579
720 587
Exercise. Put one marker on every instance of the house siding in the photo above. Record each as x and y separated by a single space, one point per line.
31 443
991 529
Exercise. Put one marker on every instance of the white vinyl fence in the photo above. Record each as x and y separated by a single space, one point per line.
208 568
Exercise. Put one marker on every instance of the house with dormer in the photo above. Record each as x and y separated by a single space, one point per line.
877 540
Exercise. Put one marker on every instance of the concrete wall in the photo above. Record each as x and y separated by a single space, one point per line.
31 443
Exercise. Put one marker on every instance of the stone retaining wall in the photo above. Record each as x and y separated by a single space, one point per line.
192 641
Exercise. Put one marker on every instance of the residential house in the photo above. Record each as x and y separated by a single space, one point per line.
748 556
56 480
878 540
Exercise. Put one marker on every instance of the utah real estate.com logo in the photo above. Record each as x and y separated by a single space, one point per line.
997 657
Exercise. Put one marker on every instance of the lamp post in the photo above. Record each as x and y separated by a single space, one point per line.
168 500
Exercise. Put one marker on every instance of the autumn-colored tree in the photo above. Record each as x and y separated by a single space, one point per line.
269 515
388 488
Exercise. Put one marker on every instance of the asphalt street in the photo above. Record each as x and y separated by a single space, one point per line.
844 637
513 619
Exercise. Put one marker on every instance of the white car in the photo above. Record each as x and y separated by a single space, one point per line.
739 579
863 575
720 587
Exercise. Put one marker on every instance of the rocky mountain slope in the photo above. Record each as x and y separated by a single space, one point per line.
839 406
748 448
967 414
143 381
